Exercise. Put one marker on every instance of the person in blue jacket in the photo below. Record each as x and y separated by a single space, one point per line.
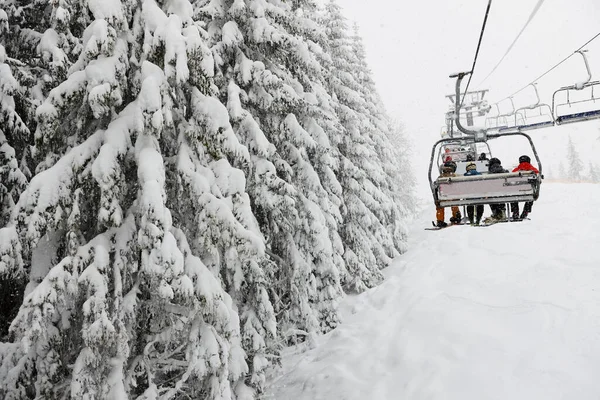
472 170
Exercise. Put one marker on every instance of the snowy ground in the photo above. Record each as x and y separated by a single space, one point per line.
510 311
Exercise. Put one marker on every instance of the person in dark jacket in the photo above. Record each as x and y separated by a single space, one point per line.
498 210
524 165
472 171
447 170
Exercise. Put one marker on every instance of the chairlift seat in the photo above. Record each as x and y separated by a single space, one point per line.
537 125
461 167
578 117
487 188
499 128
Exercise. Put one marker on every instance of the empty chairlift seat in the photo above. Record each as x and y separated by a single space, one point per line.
578 102
577 117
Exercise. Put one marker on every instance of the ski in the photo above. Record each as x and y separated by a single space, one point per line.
501 222
437 228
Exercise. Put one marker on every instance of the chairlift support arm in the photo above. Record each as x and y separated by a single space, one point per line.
459 77
587 65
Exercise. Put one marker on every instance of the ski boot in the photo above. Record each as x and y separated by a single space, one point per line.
456 219
441 224
501 216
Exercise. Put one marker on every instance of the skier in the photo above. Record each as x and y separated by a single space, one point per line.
498 210
524 165
471 171
448 169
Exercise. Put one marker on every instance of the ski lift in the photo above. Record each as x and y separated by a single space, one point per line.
583 106
504 121
462 151
534 116
459 151
492 122
472 104
485 188
510 120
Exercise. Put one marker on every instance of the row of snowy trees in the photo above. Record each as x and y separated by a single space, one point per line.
572 169
186 186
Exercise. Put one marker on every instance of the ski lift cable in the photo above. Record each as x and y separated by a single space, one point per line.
553 68
487 11
531 17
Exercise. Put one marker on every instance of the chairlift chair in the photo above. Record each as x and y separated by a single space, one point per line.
486 188
504 120
535 116
509 120
492 121
581 109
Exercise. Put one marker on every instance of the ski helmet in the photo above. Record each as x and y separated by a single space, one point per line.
449 166
471 167
493 161
524 159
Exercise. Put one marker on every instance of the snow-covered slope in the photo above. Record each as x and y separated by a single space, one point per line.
510 311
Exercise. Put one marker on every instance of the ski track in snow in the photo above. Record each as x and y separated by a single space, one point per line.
510 311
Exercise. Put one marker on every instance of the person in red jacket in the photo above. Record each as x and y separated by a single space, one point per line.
524 165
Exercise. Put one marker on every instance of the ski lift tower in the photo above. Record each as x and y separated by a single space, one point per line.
474 104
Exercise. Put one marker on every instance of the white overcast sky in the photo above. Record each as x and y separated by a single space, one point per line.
412 47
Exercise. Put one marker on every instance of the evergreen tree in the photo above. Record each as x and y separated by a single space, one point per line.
368 185
125 293
14 134
562 172
265 72
594 176
14 174
392 148
207 174
575 165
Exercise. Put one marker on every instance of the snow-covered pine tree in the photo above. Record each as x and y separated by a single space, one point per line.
574 163
14 174
328 126
135 221
265 74
562 172
368 205
321 122
35 46
14 134
392 148
362 72
593 174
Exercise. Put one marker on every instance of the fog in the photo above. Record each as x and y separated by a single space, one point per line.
413 47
